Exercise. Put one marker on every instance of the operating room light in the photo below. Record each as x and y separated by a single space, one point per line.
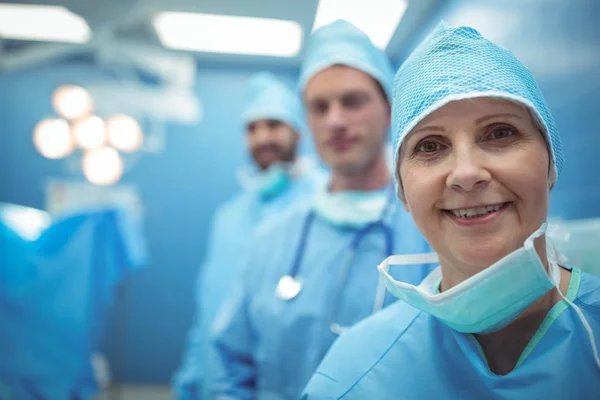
102 166
89 132
43 23
52 138
124 133
228 34
72 102
377 18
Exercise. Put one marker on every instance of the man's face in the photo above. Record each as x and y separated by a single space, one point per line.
349 116
271 141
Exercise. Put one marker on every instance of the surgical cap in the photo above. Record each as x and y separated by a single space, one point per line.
341 43
268 98
458 63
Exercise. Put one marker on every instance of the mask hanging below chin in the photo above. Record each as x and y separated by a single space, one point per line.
486 302
268 183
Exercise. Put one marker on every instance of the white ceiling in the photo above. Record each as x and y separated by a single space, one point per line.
130 21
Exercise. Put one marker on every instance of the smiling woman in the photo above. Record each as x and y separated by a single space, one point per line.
476 155
476 179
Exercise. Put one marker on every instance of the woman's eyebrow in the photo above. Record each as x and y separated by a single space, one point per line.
478 121
429 128
485 118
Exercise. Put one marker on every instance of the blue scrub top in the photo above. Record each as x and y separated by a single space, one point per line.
266 347
229 241
404 353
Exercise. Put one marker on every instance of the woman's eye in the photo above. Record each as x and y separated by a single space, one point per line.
428 146
501 132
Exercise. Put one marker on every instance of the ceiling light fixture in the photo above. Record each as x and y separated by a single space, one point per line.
228 34
42 23
377 18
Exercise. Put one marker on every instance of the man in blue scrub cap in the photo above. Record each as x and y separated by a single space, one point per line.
274 122
312 272
476 155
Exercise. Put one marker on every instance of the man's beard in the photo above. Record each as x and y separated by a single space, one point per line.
282 155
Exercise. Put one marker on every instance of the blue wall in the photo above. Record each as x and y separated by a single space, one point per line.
180 187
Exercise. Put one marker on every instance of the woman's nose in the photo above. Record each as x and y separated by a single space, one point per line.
468 172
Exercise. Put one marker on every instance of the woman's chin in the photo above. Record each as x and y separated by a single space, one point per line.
477 257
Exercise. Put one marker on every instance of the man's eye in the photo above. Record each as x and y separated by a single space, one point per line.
273 123
354 101
319 108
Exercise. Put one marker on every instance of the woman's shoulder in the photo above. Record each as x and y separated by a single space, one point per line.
359 350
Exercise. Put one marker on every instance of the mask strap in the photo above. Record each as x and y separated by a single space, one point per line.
578 311
587 326
384 267
541 230
409 259
379 295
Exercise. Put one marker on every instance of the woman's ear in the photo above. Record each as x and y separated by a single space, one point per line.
405 205
400 194
551 175
400 190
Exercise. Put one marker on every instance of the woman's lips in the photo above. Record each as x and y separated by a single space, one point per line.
477 220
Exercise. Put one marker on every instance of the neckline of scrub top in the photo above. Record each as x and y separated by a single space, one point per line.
547 322
386 218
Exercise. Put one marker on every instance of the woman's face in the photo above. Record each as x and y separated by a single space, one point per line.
475 175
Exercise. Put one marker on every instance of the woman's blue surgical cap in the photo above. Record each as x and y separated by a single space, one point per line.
341 43
268 98
458 63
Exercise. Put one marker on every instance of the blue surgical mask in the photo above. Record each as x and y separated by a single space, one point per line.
268 183
352 209
486 302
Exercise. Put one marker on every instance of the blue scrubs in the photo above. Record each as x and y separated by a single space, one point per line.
229 241
54 292
267 347
403 353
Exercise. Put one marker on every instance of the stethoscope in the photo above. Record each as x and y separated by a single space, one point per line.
290 285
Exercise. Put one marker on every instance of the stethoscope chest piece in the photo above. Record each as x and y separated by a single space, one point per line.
288 287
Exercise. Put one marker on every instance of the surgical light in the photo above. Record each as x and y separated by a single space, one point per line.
124 133
89 132
72 102
43 23
377 18
52 138
228 34
102 166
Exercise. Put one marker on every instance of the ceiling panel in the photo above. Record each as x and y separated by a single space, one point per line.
130 20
